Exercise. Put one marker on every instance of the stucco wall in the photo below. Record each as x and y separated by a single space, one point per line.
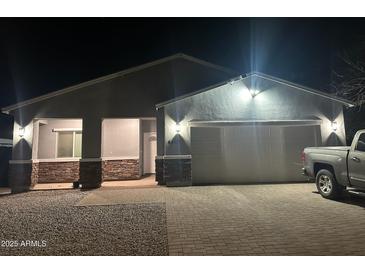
120 138
234 102
130 96
47 138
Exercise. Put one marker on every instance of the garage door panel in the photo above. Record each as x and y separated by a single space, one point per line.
207 151
244 151
240 154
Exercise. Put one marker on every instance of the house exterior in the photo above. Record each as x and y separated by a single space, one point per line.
211 127
252 128
103 129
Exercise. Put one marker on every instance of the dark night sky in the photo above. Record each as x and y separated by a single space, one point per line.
42 55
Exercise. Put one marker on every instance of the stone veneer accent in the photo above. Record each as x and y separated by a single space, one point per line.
159 171
90 174
58 172
22 176
124 169
174 171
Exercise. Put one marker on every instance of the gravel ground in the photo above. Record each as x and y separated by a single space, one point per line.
129 229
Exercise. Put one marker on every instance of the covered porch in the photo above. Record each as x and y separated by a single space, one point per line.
60 150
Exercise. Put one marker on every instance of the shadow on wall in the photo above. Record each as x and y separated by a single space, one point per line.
333 140
22 148
177 145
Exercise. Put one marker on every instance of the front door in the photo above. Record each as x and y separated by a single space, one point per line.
357 162
149 152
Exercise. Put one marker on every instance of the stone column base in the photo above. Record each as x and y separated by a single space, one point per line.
159 170
90 173
174 170
123 169
22 175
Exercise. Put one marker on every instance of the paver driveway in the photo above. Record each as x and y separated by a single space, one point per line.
282 219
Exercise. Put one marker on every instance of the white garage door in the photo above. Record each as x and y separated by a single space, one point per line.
241 154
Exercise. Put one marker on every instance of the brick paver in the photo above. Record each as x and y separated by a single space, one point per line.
285 219
282 219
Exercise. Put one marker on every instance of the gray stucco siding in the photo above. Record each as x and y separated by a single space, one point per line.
130 96
233 102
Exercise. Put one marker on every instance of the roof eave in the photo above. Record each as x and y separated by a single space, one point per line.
303 88
267 77
7 109
164 103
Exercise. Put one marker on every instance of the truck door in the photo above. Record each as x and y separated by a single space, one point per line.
356 162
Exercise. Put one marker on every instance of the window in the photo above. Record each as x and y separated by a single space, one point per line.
69 144
360 146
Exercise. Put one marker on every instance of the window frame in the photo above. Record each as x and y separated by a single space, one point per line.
357 143
74 132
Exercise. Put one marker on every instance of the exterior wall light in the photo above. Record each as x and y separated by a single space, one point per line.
334 126
21 132
254 92
177 128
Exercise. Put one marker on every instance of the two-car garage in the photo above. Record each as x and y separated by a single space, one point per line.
251 129
243 152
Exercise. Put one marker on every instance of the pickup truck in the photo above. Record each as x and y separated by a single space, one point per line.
336 169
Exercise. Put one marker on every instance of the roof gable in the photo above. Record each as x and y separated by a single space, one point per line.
268 78
119 74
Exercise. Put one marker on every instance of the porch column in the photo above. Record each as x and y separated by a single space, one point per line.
160 125
91 163
23 170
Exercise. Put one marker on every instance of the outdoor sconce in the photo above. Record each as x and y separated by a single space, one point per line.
254 92
334 126
177 128
21 132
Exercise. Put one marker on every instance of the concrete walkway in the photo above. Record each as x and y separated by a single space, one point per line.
283 219
52 186
5 190
147 181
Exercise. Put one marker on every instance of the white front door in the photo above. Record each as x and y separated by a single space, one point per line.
149 152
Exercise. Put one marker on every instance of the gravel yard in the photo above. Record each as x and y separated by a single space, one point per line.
271 219
128 229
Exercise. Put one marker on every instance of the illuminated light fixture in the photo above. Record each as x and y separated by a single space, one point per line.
21 132
334 126
177 128
254 92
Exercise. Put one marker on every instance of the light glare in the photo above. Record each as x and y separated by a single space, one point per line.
177 128
21 132
254 92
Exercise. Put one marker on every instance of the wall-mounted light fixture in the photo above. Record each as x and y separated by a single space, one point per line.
334 126
21 132
254 92
177 128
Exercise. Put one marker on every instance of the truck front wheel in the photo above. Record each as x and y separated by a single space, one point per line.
327 185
